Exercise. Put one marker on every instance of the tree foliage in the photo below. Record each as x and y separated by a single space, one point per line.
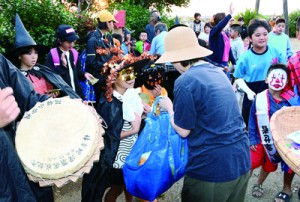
40 18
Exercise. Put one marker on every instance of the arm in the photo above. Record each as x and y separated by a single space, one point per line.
167 104
252 126
152 49
242 85
289 51
9 109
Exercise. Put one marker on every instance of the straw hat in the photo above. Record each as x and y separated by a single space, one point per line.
181 44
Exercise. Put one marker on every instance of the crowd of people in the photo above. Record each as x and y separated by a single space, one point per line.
213 84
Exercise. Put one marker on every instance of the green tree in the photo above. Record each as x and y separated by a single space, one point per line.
40 17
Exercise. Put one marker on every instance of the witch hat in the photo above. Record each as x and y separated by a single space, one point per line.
23 38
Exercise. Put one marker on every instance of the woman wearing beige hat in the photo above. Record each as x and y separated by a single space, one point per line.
206 112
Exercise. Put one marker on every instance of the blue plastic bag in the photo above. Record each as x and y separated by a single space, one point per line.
165 164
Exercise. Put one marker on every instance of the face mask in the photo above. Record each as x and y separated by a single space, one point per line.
277 79
127 74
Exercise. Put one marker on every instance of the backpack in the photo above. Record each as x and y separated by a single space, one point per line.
56 59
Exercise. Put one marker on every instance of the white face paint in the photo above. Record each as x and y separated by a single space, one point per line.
277 79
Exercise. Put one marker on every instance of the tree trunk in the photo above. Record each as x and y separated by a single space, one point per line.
286 16
257 3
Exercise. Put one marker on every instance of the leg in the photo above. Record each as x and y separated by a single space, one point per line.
286 192
257 190
113 193
128 196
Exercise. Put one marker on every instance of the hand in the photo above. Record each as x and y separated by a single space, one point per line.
253 147
251 95
54 94
166 103
136 123
88 76
147 108
156 91
9 109
64 60
231 9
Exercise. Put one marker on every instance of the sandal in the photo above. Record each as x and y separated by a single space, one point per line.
283 196
257 191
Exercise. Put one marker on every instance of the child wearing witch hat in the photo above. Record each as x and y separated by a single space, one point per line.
25 56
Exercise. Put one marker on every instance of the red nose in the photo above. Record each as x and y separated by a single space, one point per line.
277 81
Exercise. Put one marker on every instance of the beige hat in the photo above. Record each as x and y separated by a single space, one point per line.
182 44
106 16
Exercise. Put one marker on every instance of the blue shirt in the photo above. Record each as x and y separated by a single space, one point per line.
252 126
282 43
150 32
205 103
253 66
158 44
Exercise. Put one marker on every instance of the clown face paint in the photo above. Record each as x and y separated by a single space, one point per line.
277 79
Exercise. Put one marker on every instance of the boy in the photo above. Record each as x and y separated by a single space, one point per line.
142 45
279 40
294 63
236 42
243 27
262 148
251 68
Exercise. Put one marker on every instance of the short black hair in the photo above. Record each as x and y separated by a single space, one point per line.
102 25
117 36
236 28
280 20
278 66
185 63
241 19
161 27
197 14
256 23
207 25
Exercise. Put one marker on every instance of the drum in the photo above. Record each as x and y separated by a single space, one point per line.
58 140
283 123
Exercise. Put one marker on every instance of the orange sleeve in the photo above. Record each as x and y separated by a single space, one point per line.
164 92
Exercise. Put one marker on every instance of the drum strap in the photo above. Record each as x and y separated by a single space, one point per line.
263 122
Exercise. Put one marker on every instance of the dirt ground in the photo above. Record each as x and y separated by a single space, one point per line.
273 184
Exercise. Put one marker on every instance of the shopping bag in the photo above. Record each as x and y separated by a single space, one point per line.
157 160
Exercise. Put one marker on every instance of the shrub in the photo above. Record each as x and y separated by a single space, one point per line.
293 17
249 15
40 18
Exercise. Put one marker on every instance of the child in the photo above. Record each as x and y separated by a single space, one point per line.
121 133
142 45
247 44
205 34
244 33
280 40
44 80
294 63
253 65
263 151
63 59
153 77
236 42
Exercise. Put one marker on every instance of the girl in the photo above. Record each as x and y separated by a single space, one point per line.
64 58
44 80
121 109
219 42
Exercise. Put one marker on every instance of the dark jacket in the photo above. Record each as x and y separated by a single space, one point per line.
14 182
95 183
94 62
54 79
216 42
64 72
